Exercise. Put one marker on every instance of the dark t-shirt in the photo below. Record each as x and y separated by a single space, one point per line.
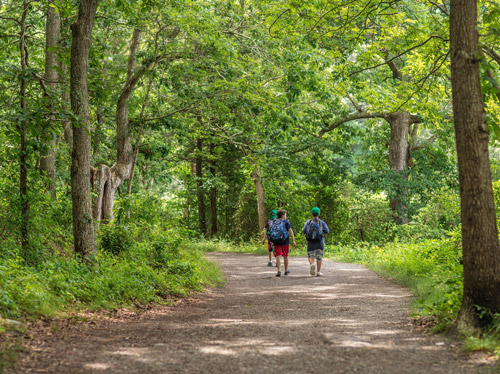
288 226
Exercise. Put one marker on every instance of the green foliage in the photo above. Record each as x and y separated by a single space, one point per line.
146 259
115 238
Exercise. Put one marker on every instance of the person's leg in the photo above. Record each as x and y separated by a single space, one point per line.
285 261
278 264
319 259
310 258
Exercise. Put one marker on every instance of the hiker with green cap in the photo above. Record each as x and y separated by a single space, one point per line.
315 231
270 246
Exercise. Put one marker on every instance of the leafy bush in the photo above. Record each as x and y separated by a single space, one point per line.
142 259
442 212
114 238
371 218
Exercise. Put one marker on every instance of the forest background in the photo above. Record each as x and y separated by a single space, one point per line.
191 120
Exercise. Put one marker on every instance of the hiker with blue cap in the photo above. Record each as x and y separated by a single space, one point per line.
315 231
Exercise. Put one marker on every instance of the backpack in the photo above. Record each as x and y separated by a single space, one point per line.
277 231
314 230
269 223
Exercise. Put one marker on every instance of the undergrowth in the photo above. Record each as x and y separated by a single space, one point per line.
142 258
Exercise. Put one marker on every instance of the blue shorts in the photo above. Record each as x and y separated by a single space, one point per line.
316 253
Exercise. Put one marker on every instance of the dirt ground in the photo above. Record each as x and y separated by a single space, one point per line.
348 321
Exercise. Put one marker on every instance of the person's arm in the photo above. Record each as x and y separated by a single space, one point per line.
304 230
265 233
292 236
326 230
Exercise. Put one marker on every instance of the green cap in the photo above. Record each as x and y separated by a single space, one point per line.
315 211
274 214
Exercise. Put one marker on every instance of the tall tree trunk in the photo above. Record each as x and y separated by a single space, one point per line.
481 249
202 223
137 145
108 179
83 227
398 162
22 127
213 196
261 200
68 130
48 159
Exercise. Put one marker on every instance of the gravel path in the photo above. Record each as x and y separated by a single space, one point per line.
348 321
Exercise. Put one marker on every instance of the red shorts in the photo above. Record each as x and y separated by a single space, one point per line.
281 250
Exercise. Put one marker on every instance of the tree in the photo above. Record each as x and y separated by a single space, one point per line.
481 248
23 133
52 34
83 225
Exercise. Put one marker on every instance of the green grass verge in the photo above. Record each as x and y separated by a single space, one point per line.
152 272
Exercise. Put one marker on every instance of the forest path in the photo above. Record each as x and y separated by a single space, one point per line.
348 321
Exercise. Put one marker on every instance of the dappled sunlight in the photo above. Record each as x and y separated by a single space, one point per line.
385 332
350 270
227 322
97 366
217 350
246 346
138 354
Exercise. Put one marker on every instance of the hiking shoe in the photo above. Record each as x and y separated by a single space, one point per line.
270 263
320 274
313 270
278 274
287 272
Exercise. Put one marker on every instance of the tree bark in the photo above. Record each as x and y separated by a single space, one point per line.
142 122
399 152
213 196
68 130
202 223
261 200
22 128
48 159
481 249
108 179
83 227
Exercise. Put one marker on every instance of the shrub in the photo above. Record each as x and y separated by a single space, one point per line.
114 238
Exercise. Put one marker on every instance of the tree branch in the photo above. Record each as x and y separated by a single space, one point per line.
424 144
399 54
350 117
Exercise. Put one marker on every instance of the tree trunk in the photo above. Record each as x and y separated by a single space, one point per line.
137 145
83 227
481 249
213 197
22 127
398 162
48 159
108 179
261 200
68 130
202 223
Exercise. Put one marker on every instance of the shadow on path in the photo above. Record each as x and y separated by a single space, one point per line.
348 321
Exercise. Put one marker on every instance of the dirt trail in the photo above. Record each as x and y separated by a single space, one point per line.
348 321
